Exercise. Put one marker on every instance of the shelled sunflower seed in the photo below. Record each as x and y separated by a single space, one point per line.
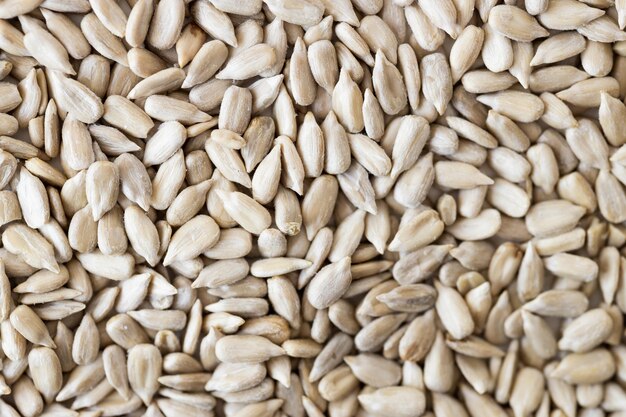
290 208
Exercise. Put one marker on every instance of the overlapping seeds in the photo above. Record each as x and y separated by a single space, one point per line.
290 208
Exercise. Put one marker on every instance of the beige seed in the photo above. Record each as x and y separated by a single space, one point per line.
556 113
102 183
347 102
516 24
110 140
552 78
160 320
301 81
609 116
45 371
11 97
12 39
26 322
83 230
31 99
187 203
597 59
409 67
416 266
247 213
465 51
428 36
527 391
418 230
572 266
161 81
144 368
246 349
329 284
497 52
369 155
443 15
344 243
298 12
138 22
511 103
284 113
164 143
417 340
13 343
166 108
540 217
134 179
102 40
587 92
167 181
436 81
301 348
79 150
385 400
337 151
388 85
378 35
472 132
201 230
143 63
572 370
409 298
206 63
292 166
228 162
264 92
166 24
587 331
453 312
508 198
459 175
558 303
559 47
611 197
310 145
142 234
117 112
413 185
577 15
116 267
481 81
603 29
86 342
545 172
251 62
287 212
214 22
266 268
33 199
322 59
33 248
341 11
48 50
485 224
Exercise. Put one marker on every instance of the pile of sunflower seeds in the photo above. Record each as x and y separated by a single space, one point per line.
290 208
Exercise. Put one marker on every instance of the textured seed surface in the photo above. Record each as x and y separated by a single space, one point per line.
342 208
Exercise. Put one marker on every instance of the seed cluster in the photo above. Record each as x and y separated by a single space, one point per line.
290 208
